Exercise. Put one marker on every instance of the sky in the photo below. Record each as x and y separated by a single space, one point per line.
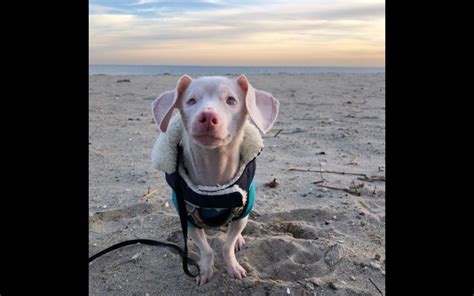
238 33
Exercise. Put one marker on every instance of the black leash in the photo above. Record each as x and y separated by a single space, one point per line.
153 243
183 217
186 260
183 253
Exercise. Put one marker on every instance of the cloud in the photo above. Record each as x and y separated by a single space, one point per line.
112 22
357 12
219 2
141 2
101 9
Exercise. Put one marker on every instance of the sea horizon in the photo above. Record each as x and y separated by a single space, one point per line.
111 69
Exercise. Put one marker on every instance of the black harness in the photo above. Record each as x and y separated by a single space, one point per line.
196 203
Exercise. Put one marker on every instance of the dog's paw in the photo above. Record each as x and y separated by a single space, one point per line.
235 270
204 277
206 265
239 244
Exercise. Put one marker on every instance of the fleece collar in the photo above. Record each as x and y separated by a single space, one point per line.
164 154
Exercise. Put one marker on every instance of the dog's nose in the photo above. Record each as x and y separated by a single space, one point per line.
208 119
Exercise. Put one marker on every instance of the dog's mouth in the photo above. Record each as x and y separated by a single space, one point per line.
209 140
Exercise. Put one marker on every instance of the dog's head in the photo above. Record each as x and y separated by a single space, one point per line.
214 109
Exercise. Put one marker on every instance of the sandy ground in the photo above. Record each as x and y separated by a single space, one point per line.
302 238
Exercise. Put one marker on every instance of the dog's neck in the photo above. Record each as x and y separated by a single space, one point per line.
212 167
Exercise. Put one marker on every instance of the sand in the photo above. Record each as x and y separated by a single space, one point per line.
302 238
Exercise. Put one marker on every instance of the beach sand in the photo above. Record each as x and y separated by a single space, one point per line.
302 238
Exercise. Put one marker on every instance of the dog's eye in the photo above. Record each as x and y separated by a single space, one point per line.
191 101
231 101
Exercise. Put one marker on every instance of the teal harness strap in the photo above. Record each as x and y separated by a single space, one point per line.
209 213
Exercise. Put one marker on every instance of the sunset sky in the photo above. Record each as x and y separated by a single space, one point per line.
237 33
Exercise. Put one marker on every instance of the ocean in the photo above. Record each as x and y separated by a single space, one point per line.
220 70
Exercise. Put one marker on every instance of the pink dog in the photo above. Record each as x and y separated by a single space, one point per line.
209 151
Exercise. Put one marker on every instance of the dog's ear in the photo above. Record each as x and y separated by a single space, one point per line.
164 105
261 106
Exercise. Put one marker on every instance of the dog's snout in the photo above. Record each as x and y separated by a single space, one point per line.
208 119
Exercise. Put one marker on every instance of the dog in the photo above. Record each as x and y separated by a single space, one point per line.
211 146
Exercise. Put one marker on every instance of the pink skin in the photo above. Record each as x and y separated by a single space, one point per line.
214 111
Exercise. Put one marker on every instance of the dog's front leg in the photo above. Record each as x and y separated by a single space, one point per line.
234 236
206 262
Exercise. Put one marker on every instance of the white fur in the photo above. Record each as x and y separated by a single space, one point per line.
164 153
